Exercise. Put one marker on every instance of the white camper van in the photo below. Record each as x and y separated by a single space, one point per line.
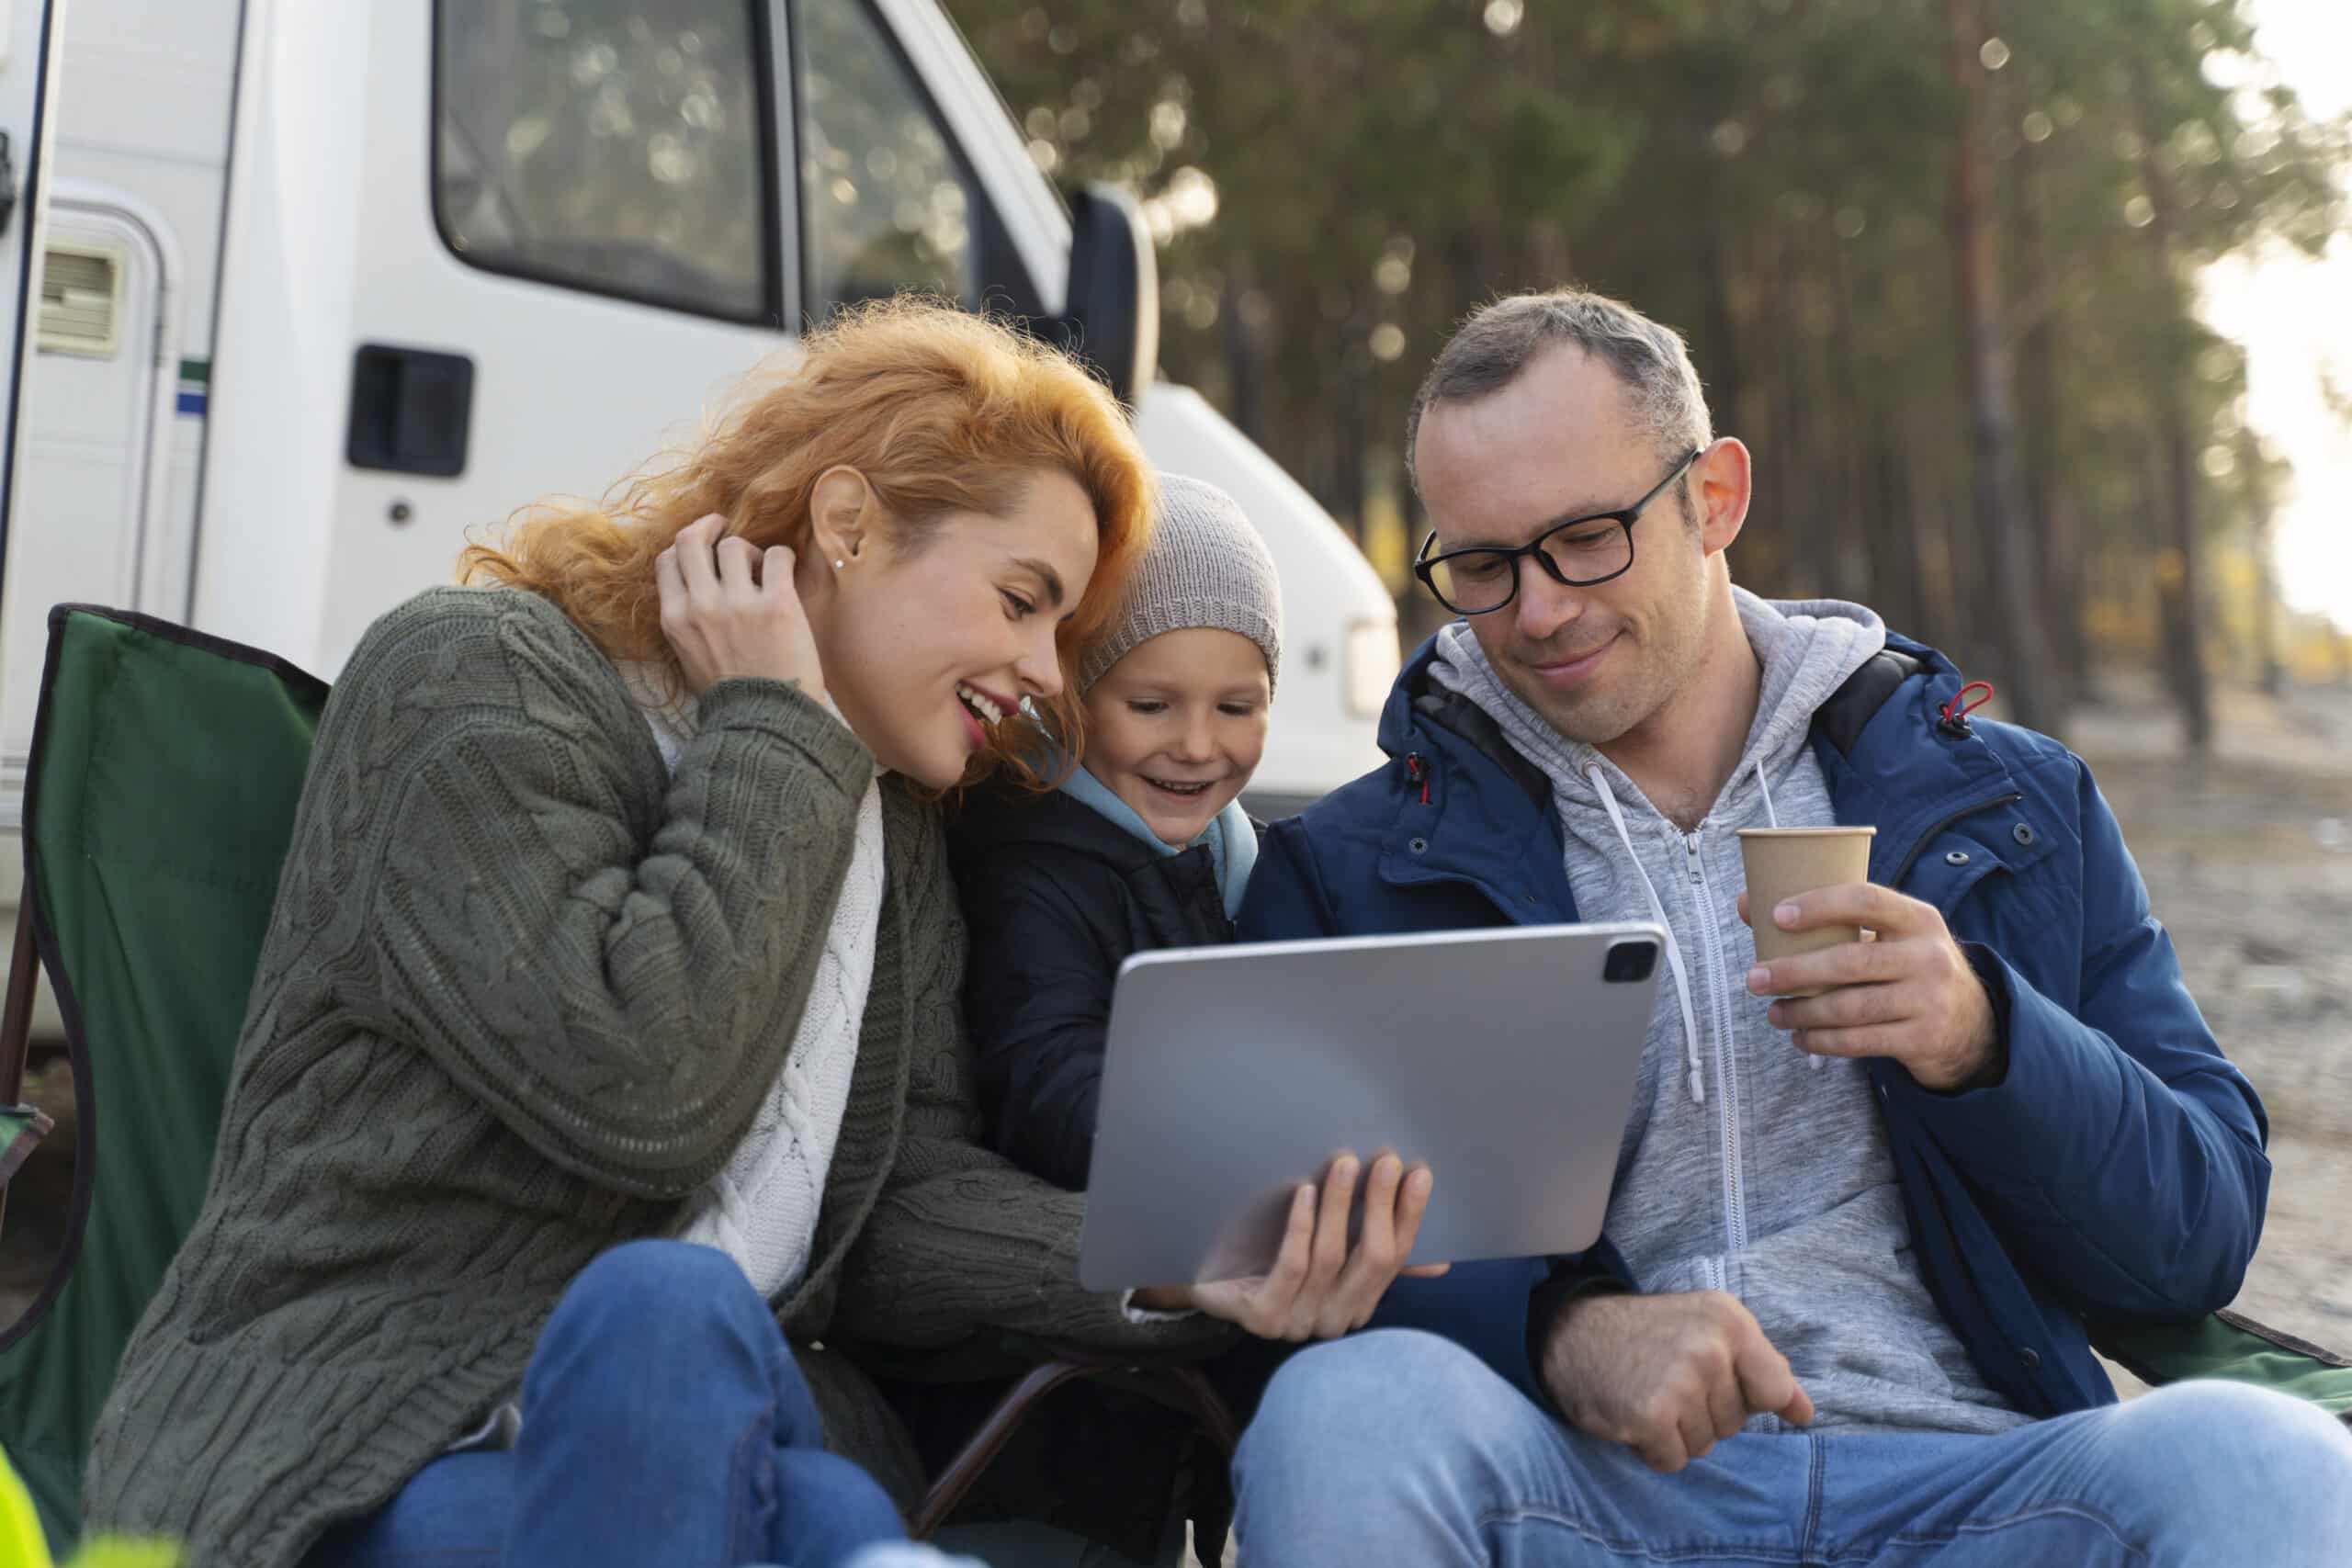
319 286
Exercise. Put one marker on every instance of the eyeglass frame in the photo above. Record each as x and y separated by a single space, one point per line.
1425 565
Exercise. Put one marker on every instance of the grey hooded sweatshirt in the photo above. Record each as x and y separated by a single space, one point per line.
1747 1166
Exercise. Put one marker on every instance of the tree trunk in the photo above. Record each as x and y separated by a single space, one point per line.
1839 437
1889 538
1351 427
2015 622
2050 515
2267 672
1245 353
2179 569
1725 385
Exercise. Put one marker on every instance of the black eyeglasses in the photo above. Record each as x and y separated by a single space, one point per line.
1576 553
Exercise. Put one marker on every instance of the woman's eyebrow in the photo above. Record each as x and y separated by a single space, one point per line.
1044 574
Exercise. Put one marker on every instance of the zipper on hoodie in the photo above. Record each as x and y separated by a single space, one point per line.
1727 1083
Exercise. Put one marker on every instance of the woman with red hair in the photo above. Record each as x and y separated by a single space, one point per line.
607 1019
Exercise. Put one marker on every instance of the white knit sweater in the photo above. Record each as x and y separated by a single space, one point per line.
760 1209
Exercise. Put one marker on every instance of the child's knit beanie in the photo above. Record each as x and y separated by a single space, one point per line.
1205 566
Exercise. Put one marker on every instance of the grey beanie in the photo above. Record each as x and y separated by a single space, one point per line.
1205 567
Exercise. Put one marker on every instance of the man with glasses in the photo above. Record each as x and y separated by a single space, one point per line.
1867 1196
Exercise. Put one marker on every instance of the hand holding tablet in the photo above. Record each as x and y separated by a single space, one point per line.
1504 1058
1319 1287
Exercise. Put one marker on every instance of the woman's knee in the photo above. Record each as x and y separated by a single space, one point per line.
827 1506
653 1296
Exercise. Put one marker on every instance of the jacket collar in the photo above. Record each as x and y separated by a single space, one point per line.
1003 815
1465 807
1488 817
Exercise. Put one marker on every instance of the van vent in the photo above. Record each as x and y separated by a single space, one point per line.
81 298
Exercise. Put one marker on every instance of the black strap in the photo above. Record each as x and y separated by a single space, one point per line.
1474 724
1853 705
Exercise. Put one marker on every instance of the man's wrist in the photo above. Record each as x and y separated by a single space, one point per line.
1549 1308
1989 1066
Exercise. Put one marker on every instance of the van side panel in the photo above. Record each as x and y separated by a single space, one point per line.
290 260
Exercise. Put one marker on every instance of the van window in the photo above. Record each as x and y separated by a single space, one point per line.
885 204
612 146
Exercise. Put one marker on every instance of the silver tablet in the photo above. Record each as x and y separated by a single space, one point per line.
1504 1058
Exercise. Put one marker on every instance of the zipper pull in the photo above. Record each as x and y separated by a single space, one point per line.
1690 849
1417 771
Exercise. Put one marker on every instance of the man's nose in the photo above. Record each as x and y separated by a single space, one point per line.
1544 607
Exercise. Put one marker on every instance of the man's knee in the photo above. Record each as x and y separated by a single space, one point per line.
1349 1400
2226 1453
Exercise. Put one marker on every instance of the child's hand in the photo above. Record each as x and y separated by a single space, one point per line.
1316 1288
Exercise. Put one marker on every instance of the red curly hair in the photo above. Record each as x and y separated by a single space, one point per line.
941 410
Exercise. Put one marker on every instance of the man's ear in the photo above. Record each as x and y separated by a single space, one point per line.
842 511
1721 483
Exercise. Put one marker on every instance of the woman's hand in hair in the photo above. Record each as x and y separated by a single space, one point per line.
1318 1287
730 610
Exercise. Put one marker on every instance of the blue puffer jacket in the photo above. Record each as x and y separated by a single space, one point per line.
2117 1171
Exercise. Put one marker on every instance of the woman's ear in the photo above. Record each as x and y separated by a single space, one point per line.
843 511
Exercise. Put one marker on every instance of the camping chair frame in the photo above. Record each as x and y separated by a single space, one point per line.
17 1020
1184 1389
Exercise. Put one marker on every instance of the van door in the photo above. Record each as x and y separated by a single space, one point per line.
540 240
29 42
563 232
92 480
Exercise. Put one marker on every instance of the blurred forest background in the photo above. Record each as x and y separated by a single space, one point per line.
1939 261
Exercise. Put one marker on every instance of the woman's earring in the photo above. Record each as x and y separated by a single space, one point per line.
837 566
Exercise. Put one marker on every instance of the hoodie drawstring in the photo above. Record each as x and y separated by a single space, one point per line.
1814 1063
1673 948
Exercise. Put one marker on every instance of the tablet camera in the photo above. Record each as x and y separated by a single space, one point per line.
1629 962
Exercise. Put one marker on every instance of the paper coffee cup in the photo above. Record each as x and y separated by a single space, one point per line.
1784 862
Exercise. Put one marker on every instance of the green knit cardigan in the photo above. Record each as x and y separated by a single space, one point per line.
522 992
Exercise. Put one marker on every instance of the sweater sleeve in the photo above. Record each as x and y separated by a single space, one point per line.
1038 995
961 1241
616 982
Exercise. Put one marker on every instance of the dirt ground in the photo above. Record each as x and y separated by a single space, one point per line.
2248 861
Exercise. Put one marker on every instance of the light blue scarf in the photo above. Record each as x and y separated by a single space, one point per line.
1233 843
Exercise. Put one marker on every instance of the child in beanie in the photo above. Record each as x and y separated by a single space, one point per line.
1144 846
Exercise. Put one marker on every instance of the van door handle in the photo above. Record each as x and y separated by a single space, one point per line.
410 410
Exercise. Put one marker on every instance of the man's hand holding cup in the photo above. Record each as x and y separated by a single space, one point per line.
1858 969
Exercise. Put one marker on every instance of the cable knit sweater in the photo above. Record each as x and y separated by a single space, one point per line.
760 1208
522 993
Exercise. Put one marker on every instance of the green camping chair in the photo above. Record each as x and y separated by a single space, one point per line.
166 766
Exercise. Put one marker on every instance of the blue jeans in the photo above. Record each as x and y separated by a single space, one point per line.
1401 1447
664 1420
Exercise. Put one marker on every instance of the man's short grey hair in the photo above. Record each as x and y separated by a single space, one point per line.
1499 341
